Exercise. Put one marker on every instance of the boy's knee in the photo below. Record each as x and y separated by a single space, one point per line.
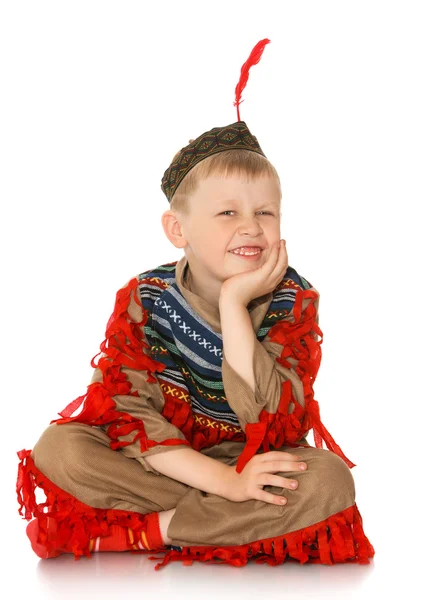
327 480
63 447
334 476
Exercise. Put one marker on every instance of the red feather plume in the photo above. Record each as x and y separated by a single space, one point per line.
253 59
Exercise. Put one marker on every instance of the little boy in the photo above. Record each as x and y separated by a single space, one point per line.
193 428
191 437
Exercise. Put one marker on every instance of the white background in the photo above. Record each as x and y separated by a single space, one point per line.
96 98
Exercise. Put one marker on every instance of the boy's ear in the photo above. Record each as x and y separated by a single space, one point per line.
173 229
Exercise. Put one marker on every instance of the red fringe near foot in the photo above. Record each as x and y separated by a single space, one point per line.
338 539
76 522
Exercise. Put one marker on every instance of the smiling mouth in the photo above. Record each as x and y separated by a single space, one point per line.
252 256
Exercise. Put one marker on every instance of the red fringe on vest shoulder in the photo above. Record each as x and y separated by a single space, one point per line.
76 523
339 538
123 346
280 428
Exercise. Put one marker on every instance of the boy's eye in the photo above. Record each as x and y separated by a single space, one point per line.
262 211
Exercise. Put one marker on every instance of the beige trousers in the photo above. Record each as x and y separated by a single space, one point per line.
78 459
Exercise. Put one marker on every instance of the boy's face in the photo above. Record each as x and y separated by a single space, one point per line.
227 213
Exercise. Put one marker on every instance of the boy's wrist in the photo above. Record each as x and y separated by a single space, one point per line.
227 482
227 300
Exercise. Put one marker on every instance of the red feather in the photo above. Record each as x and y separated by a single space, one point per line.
253 59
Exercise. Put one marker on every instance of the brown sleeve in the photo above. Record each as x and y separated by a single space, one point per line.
145 407
273 414
268 376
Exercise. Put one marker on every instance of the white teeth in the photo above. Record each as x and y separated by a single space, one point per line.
245 253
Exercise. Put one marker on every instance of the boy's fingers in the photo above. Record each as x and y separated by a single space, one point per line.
273 257
281 260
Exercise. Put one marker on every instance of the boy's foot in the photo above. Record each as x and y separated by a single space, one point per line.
115 542
39 549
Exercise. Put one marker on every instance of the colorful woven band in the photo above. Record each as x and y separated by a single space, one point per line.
235 136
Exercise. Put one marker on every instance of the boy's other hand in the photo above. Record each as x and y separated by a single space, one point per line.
246 286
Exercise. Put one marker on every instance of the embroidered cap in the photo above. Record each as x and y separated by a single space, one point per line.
235 136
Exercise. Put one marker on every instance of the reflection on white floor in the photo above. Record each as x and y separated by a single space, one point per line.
109 571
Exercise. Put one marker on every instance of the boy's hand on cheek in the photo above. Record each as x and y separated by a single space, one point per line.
242 288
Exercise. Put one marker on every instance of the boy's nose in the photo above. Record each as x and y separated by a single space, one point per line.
249 224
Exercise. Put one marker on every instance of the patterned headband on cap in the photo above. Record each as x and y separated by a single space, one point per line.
235 136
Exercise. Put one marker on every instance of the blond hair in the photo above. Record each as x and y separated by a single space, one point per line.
222 164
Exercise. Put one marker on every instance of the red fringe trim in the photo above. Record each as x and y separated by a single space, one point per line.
124 340
280 428
76 522
339 538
